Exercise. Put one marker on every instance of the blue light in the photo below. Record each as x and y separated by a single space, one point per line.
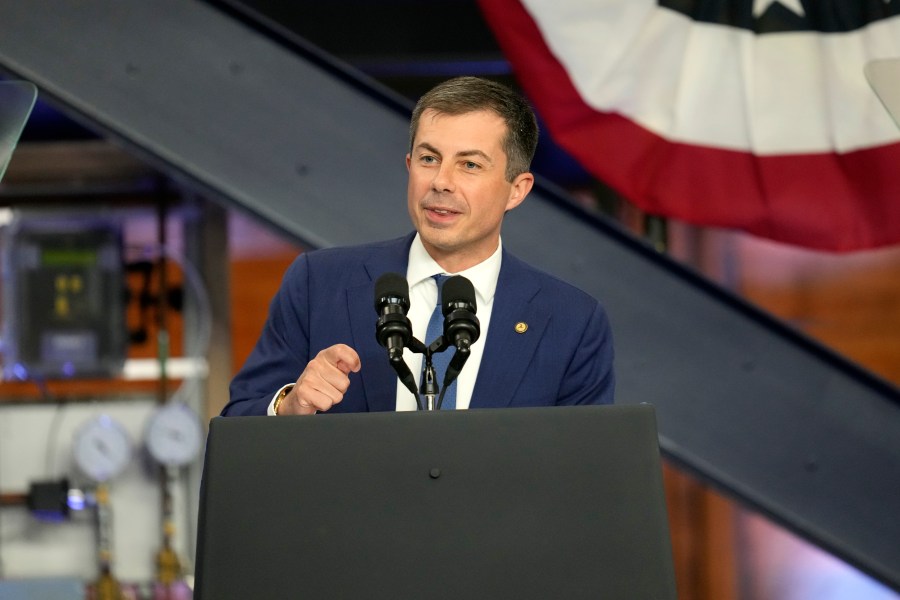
20 372
76 500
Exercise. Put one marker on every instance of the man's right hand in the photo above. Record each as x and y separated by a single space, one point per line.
323 382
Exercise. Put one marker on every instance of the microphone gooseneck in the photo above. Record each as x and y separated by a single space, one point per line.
393 329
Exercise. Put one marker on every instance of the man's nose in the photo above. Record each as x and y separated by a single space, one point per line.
443 179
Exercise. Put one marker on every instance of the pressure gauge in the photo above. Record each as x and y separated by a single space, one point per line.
102 448
174 435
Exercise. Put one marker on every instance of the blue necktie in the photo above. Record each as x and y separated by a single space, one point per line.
440 360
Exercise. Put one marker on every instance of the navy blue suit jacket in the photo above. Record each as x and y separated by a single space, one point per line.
327 297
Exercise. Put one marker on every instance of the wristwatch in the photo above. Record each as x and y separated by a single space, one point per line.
281 396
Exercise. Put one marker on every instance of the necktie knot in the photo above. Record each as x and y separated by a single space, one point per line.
439 279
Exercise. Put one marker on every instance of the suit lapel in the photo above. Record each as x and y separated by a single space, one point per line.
508 352
378 378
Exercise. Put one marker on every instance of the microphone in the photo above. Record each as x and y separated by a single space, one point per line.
393 329
461 326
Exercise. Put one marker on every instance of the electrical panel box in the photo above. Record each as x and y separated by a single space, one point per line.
63 291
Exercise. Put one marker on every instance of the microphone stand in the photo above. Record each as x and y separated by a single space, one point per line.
429 387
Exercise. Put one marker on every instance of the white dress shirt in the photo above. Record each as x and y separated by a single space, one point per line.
422 300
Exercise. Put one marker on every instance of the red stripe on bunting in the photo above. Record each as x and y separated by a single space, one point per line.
830 201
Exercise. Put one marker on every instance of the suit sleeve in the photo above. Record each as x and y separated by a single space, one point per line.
590 377
282 350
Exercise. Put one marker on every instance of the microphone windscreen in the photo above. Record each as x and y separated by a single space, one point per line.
390 285
457 289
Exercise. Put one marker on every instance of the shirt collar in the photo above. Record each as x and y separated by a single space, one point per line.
483 276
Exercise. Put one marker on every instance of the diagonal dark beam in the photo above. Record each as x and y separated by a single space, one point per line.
316 151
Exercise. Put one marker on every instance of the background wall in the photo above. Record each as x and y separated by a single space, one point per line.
721 550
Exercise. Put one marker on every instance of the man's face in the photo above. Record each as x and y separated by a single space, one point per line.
458 192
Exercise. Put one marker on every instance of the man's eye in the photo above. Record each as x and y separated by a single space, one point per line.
428 159
470 165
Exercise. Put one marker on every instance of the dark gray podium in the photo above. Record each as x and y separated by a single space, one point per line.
513 503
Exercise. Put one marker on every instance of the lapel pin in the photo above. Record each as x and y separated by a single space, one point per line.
521 327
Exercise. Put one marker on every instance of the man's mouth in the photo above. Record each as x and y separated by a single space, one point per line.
441 212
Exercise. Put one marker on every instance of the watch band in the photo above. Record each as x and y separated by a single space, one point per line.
281 396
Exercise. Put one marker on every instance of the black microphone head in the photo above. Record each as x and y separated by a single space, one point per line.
461 326
393 329
391 288
457 290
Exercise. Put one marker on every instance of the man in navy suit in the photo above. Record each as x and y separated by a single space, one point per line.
543 342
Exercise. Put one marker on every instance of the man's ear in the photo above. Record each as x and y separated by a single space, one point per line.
521 185
408 160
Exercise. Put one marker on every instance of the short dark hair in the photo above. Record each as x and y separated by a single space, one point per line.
462 95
